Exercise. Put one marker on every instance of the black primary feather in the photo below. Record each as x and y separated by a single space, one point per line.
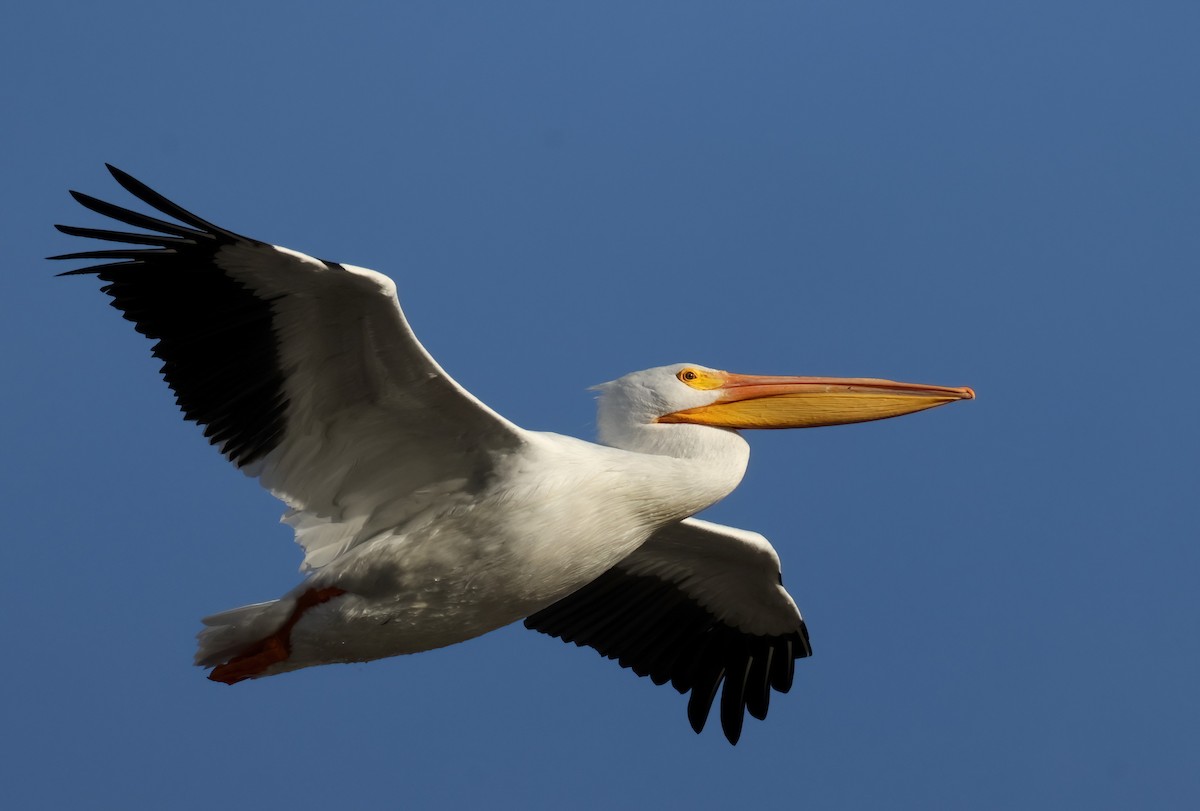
215 336
656 629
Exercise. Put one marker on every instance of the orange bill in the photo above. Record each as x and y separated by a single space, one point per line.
763 401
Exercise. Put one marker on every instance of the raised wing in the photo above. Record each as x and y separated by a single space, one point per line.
699 603
303 372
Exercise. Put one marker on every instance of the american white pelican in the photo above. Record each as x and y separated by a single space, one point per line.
425 517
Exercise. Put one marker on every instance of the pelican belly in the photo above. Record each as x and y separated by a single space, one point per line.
556 521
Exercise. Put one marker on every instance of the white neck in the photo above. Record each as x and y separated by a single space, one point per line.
687 467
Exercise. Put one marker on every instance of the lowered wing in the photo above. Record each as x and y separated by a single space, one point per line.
697 605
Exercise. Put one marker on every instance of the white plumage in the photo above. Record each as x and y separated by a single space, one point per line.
425 517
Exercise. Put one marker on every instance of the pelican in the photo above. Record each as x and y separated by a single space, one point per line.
425 517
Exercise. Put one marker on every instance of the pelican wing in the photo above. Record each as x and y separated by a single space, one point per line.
697 604
303 372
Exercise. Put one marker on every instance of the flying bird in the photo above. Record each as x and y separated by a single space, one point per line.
425 517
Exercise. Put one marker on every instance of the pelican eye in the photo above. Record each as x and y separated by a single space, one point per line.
701 379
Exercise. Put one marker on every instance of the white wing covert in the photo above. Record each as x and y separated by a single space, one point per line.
699 603
303 372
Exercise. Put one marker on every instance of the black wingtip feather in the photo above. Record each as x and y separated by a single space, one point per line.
97 270
133 218
651 627
127 253
733 701
213 333
152 198
783 669
159 240
704 691
758 683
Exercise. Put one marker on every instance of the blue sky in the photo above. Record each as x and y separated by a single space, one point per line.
1001 594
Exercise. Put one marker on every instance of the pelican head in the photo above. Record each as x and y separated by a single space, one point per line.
631 408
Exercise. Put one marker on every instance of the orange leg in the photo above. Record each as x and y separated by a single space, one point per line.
276 647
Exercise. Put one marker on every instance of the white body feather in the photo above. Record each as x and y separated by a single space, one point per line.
557 514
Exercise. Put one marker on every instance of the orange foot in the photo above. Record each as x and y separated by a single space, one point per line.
274 648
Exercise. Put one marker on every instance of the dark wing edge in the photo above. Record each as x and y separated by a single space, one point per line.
304 373
657 625
214 336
